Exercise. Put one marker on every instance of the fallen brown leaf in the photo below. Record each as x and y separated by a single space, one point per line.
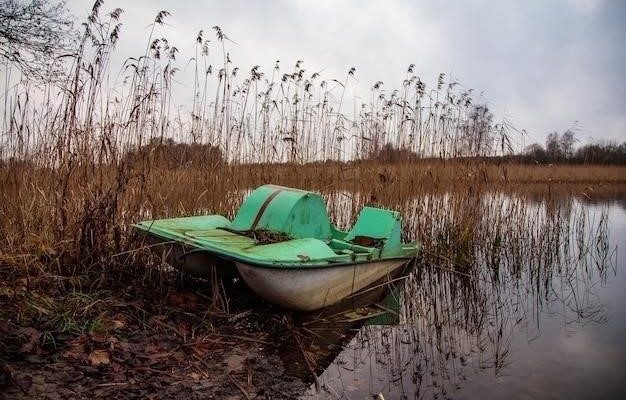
99 357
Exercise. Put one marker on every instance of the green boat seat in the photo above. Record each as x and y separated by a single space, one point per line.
343 247
374 225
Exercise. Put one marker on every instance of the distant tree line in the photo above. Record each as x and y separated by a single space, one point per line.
165 153
389 154
560 149
171 154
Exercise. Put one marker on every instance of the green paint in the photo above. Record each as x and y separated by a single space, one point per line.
288 213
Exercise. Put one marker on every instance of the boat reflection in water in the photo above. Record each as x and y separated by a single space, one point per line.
318 337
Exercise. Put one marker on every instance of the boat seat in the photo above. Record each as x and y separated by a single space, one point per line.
343 247
375 227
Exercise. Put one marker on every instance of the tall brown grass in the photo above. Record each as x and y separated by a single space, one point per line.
80 162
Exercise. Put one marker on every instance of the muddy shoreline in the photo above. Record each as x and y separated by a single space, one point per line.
140 341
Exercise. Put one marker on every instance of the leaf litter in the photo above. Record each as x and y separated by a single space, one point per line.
137 341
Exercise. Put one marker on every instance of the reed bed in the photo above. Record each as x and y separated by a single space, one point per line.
84 158
88 221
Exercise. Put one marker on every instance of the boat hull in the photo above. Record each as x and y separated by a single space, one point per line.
186 259
309 289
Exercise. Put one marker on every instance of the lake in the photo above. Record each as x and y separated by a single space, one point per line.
533 310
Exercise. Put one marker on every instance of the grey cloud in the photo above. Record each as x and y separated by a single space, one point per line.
542 64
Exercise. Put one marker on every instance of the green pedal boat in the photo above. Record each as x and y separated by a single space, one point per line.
286 249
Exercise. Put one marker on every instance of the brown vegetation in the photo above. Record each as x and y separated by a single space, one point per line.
86 221
91 307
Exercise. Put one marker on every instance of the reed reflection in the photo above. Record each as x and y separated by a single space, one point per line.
493 268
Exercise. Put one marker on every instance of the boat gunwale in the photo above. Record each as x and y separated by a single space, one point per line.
304 265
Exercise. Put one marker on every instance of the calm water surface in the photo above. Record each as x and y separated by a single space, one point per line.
547 322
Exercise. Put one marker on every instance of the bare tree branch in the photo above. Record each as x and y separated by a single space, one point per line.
35 35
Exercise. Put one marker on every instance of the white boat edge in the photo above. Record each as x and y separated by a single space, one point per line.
309 289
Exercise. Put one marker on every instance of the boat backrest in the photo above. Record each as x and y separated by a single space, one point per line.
296 213
378 224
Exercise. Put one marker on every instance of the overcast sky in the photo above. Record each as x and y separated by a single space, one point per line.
545 65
